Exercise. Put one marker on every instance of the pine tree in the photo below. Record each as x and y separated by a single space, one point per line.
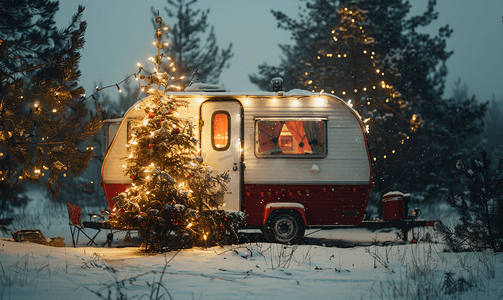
44 123
479 208
452 130
493 133
187 49
173 194
372 54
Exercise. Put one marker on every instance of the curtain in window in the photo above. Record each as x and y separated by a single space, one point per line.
314 135
296 128
268 138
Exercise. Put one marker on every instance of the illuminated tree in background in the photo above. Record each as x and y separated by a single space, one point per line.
44 124
372 55
173 194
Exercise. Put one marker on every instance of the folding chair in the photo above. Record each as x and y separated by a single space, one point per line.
76 227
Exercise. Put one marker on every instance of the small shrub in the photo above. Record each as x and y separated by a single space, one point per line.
479 208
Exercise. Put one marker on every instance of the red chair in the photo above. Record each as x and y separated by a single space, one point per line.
76 227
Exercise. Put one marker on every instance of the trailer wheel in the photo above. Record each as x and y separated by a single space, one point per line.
285 227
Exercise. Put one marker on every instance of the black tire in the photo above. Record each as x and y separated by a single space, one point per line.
285 227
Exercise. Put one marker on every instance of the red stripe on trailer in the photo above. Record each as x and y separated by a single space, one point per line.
112 190
325 205
431 223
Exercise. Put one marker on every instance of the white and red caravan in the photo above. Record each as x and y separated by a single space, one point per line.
296 159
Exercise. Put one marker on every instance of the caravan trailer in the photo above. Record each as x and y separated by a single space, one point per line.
296 159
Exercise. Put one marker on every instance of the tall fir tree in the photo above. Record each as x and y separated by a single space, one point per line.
372 54
173 194
44 123
191 48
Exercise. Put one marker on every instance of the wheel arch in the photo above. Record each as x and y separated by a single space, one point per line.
276 207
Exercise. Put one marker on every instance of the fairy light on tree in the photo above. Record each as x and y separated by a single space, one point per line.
172 193
44 123
348 63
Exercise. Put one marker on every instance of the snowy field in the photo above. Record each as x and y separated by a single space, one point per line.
374 267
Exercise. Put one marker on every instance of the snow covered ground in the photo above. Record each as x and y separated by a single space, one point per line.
376 268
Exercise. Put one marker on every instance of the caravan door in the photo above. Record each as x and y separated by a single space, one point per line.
221 128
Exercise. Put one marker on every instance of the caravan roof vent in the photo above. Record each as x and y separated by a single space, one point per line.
204 87
276 84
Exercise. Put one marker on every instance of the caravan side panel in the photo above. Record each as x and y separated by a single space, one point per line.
338 194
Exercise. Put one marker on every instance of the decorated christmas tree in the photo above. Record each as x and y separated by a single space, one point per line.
173 195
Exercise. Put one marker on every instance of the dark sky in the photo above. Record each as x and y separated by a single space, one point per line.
120 34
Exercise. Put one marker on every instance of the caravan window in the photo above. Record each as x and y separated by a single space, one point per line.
293 137
220 130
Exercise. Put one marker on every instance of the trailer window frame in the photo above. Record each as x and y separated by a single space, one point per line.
287 136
